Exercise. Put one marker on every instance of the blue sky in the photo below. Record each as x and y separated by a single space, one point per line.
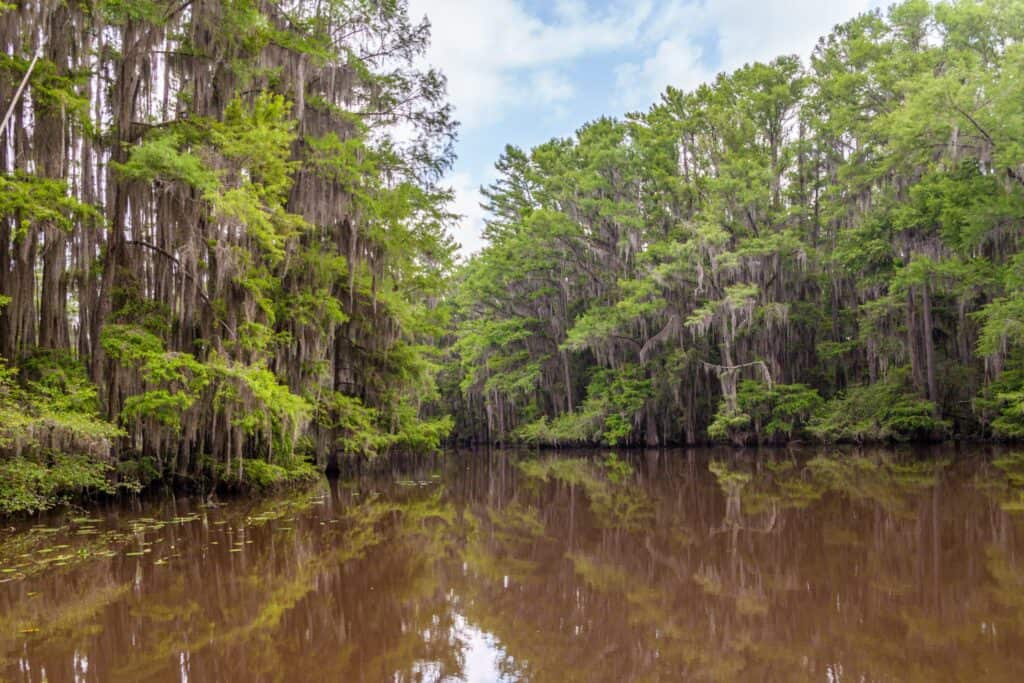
524 71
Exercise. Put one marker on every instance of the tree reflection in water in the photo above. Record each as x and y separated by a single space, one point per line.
695 565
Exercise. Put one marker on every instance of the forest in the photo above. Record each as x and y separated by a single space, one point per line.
826 250
226 257
223 241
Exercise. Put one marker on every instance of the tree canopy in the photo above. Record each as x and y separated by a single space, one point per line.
826 249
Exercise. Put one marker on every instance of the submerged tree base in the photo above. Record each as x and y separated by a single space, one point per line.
28 487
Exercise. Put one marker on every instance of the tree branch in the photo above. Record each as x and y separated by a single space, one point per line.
17 94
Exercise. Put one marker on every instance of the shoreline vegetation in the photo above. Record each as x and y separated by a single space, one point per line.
225 251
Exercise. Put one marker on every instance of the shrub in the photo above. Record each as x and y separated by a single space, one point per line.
886 411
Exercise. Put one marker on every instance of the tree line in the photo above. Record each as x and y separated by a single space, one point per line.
222 240
824 250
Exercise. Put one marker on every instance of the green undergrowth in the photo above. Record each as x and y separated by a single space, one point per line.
265 477
886 412
54 446
35 484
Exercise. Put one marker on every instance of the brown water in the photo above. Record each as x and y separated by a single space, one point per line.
702 565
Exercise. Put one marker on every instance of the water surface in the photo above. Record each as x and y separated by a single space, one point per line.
683 565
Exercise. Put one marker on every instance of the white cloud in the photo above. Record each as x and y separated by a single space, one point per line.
674 62
761 30
570 10
747 31
493 52
550 86
469 233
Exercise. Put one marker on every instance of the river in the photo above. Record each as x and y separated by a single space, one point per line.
703 565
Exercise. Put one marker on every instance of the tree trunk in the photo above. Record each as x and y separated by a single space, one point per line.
915 361
49 142
651 426
568 381
929 343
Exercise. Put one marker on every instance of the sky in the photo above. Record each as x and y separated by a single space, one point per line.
524 71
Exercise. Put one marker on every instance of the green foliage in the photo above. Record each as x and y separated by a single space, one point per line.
256 144
55 89
580 427
363 431
266 477
1001 405
418 435
728 424
58 380
163 406
129 344
608 416
268 269
122 11
775 414
175 382
29 200
354 424
165 156
619 395
487 350
53 444
237 260
52 407
261 404
880 412
30 485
